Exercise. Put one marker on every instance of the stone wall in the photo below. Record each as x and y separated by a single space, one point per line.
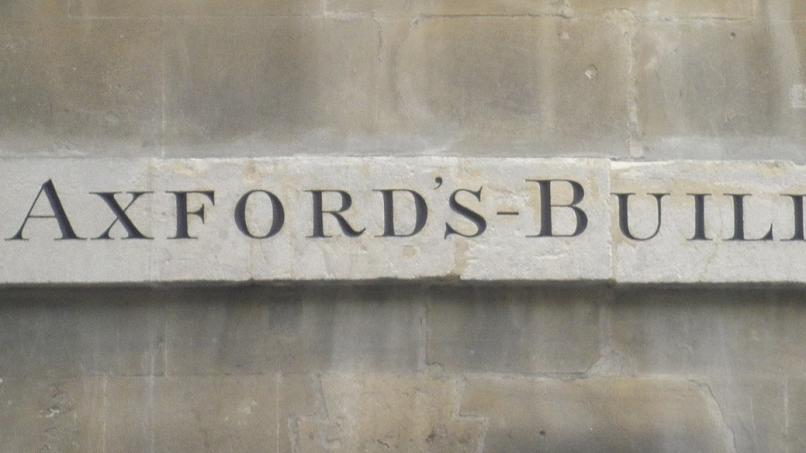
380 367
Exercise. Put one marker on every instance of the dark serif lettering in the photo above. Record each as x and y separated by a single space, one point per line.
277 216
182 212
120 215
699 217
624 216
546 206
471 215
319 214
58 213
797 201
738 220
420 213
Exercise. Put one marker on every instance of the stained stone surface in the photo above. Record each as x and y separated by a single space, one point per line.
475 219
670 370
152 362
216 248
767 252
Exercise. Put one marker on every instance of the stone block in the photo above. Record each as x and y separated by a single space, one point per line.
512 330
78 88
162 8
570 8
381 413
660 9
459 86
795 414
42 415
33 9
622 414
754 410
726 90
191 414
309 85
782 9
265 330
464 238
441 7
527 86
372 218
729 238
300 398
72 333
709 332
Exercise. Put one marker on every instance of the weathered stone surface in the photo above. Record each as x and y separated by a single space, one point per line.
73 333
216 248
718 222
720 90
254 331
796 414
459 86
381 413
713 252
202 414
159 414
568 8
514 330
755 410
712 332
509 86
41 415
33 9
70 88
624 415
151 8
783 9
310 86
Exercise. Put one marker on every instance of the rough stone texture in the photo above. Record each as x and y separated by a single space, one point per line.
670 370
415 367
520 331
626 415
159 8
42 415
380 413
672 255
722 90
218 250
743 332
293 331
750 230
32 9
569 8
80 334
310 84
71 88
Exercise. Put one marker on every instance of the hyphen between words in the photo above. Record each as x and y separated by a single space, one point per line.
331 211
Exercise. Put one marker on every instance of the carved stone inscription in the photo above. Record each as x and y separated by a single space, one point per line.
109 221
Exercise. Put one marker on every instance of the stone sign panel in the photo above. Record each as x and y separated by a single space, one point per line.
279 219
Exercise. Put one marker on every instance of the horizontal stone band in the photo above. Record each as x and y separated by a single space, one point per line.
86 221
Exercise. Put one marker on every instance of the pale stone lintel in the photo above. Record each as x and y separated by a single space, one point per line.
367 218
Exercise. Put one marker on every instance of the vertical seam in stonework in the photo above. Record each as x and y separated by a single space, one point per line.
423 336
277 415
634 146
162 86
460 389
104 384
786 413
709 392
165 325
